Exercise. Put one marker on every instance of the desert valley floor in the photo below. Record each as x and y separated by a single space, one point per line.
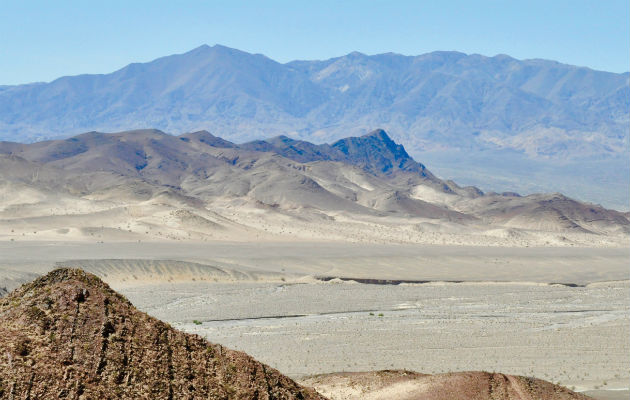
307 308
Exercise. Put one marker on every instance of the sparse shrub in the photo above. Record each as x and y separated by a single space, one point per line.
196 322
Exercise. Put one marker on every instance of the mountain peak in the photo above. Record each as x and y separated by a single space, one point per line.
216 50
379 134
281 138
65 275
203 47
374 152
355 54
207 138
378 153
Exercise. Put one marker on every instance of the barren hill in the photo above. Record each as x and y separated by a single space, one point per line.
68 335
147 185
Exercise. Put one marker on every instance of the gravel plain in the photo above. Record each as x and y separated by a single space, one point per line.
576 336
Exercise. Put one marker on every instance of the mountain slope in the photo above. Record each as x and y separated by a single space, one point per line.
147 185
68 335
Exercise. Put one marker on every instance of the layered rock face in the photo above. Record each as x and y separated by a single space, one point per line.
67 335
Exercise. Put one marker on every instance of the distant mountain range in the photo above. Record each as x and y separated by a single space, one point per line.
498 122
148 185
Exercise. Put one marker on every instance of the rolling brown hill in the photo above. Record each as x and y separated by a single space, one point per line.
138 185
408 385
68 335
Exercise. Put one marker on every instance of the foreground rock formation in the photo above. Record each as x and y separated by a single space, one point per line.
407 385
68 335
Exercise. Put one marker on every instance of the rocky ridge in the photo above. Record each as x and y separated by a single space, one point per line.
68 335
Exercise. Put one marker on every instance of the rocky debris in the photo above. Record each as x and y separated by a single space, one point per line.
68 335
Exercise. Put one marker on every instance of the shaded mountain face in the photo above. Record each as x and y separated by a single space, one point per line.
538 115
68 335
200 184
375 152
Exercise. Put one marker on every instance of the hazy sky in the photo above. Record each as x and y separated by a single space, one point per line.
42 40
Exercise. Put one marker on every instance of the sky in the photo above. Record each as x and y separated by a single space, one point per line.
43 40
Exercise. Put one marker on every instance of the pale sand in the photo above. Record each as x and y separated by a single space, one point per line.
30 214
609 394
407 262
